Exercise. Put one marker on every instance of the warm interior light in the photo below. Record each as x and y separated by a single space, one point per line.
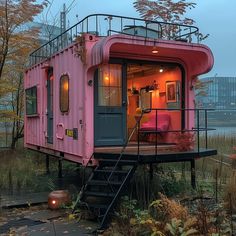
154 50
53 202
161 70
157 93
106 78
66 85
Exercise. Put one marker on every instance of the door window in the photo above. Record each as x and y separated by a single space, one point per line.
110 85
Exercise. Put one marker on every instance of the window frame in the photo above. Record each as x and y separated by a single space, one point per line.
103 86
60 94
28 114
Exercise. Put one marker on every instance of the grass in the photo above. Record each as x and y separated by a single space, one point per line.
23 171
216 178
20 170
174 179
220 164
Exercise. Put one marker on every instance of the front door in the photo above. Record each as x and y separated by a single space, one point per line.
110 105
50 105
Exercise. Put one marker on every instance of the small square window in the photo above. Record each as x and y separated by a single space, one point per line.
31 101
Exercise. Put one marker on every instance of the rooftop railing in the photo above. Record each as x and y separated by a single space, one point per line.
105 25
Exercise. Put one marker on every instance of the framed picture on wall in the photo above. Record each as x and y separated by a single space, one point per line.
171 91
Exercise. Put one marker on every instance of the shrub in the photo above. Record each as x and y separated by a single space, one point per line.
184 141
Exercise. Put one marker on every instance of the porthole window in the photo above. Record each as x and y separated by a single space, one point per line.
64 93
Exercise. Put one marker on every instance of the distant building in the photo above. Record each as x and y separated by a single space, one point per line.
220 96
46 32
221 93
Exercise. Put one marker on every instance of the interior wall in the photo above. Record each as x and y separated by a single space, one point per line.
158 96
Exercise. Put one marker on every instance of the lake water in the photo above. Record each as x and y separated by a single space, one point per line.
224 131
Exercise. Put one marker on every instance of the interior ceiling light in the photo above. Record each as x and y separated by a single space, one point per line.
154 50
161 70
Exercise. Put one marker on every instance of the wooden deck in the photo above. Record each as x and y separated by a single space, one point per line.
165 153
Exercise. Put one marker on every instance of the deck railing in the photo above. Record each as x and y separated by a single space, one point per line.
105 25
200 126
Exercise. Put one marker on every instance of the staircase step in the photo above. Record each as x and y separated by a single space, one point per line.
113 156
98 206
99 194
103 182
113 162
121 172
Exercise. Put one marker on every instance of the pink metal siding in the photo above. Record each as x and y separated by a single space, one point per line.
37 126
196 59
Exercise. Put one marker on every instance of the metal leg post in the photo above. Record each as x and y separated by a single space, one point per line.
47 165
193 174
59 169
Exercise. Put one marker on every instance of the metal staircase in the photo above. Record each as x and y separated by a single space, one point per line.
105 185
108 182
112 175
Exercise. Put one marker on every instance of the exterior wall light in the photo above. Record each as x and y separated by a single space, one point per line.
154 50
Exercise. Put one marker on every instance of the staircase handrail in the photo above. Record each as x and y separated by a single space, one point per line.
125 146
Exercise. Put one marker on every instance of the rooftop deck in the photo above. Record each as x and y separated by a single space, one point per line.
105 25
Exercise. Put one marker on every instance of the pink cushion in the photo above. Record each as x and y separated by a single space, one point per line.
163 122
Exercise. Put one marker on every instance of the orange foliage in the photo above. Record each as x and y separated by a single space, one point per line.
184 141
167 209
165 10
16 40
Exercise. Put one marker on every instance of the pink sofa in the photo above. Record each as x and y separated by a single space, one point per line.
163 123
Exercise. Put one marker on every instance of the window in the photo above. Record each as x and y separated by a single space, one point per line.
31 101
64 93
110 85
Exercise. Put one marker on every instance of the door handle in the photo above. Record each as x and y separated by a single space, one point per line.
124 103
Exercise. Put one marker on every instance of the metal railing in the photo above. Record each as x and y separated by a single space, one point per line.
200 125
105 25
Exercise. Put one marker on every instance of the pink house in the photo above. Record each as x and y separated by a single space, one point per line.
116 91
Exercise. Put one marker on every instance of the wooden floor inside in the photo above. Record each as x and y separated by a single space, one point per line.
133 149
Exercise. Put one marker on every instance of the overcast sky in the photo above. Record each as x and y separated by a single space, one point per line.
214 17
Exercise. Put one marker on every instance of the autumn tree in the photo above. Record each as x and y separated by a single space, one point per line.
14 15
16 42
167 11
